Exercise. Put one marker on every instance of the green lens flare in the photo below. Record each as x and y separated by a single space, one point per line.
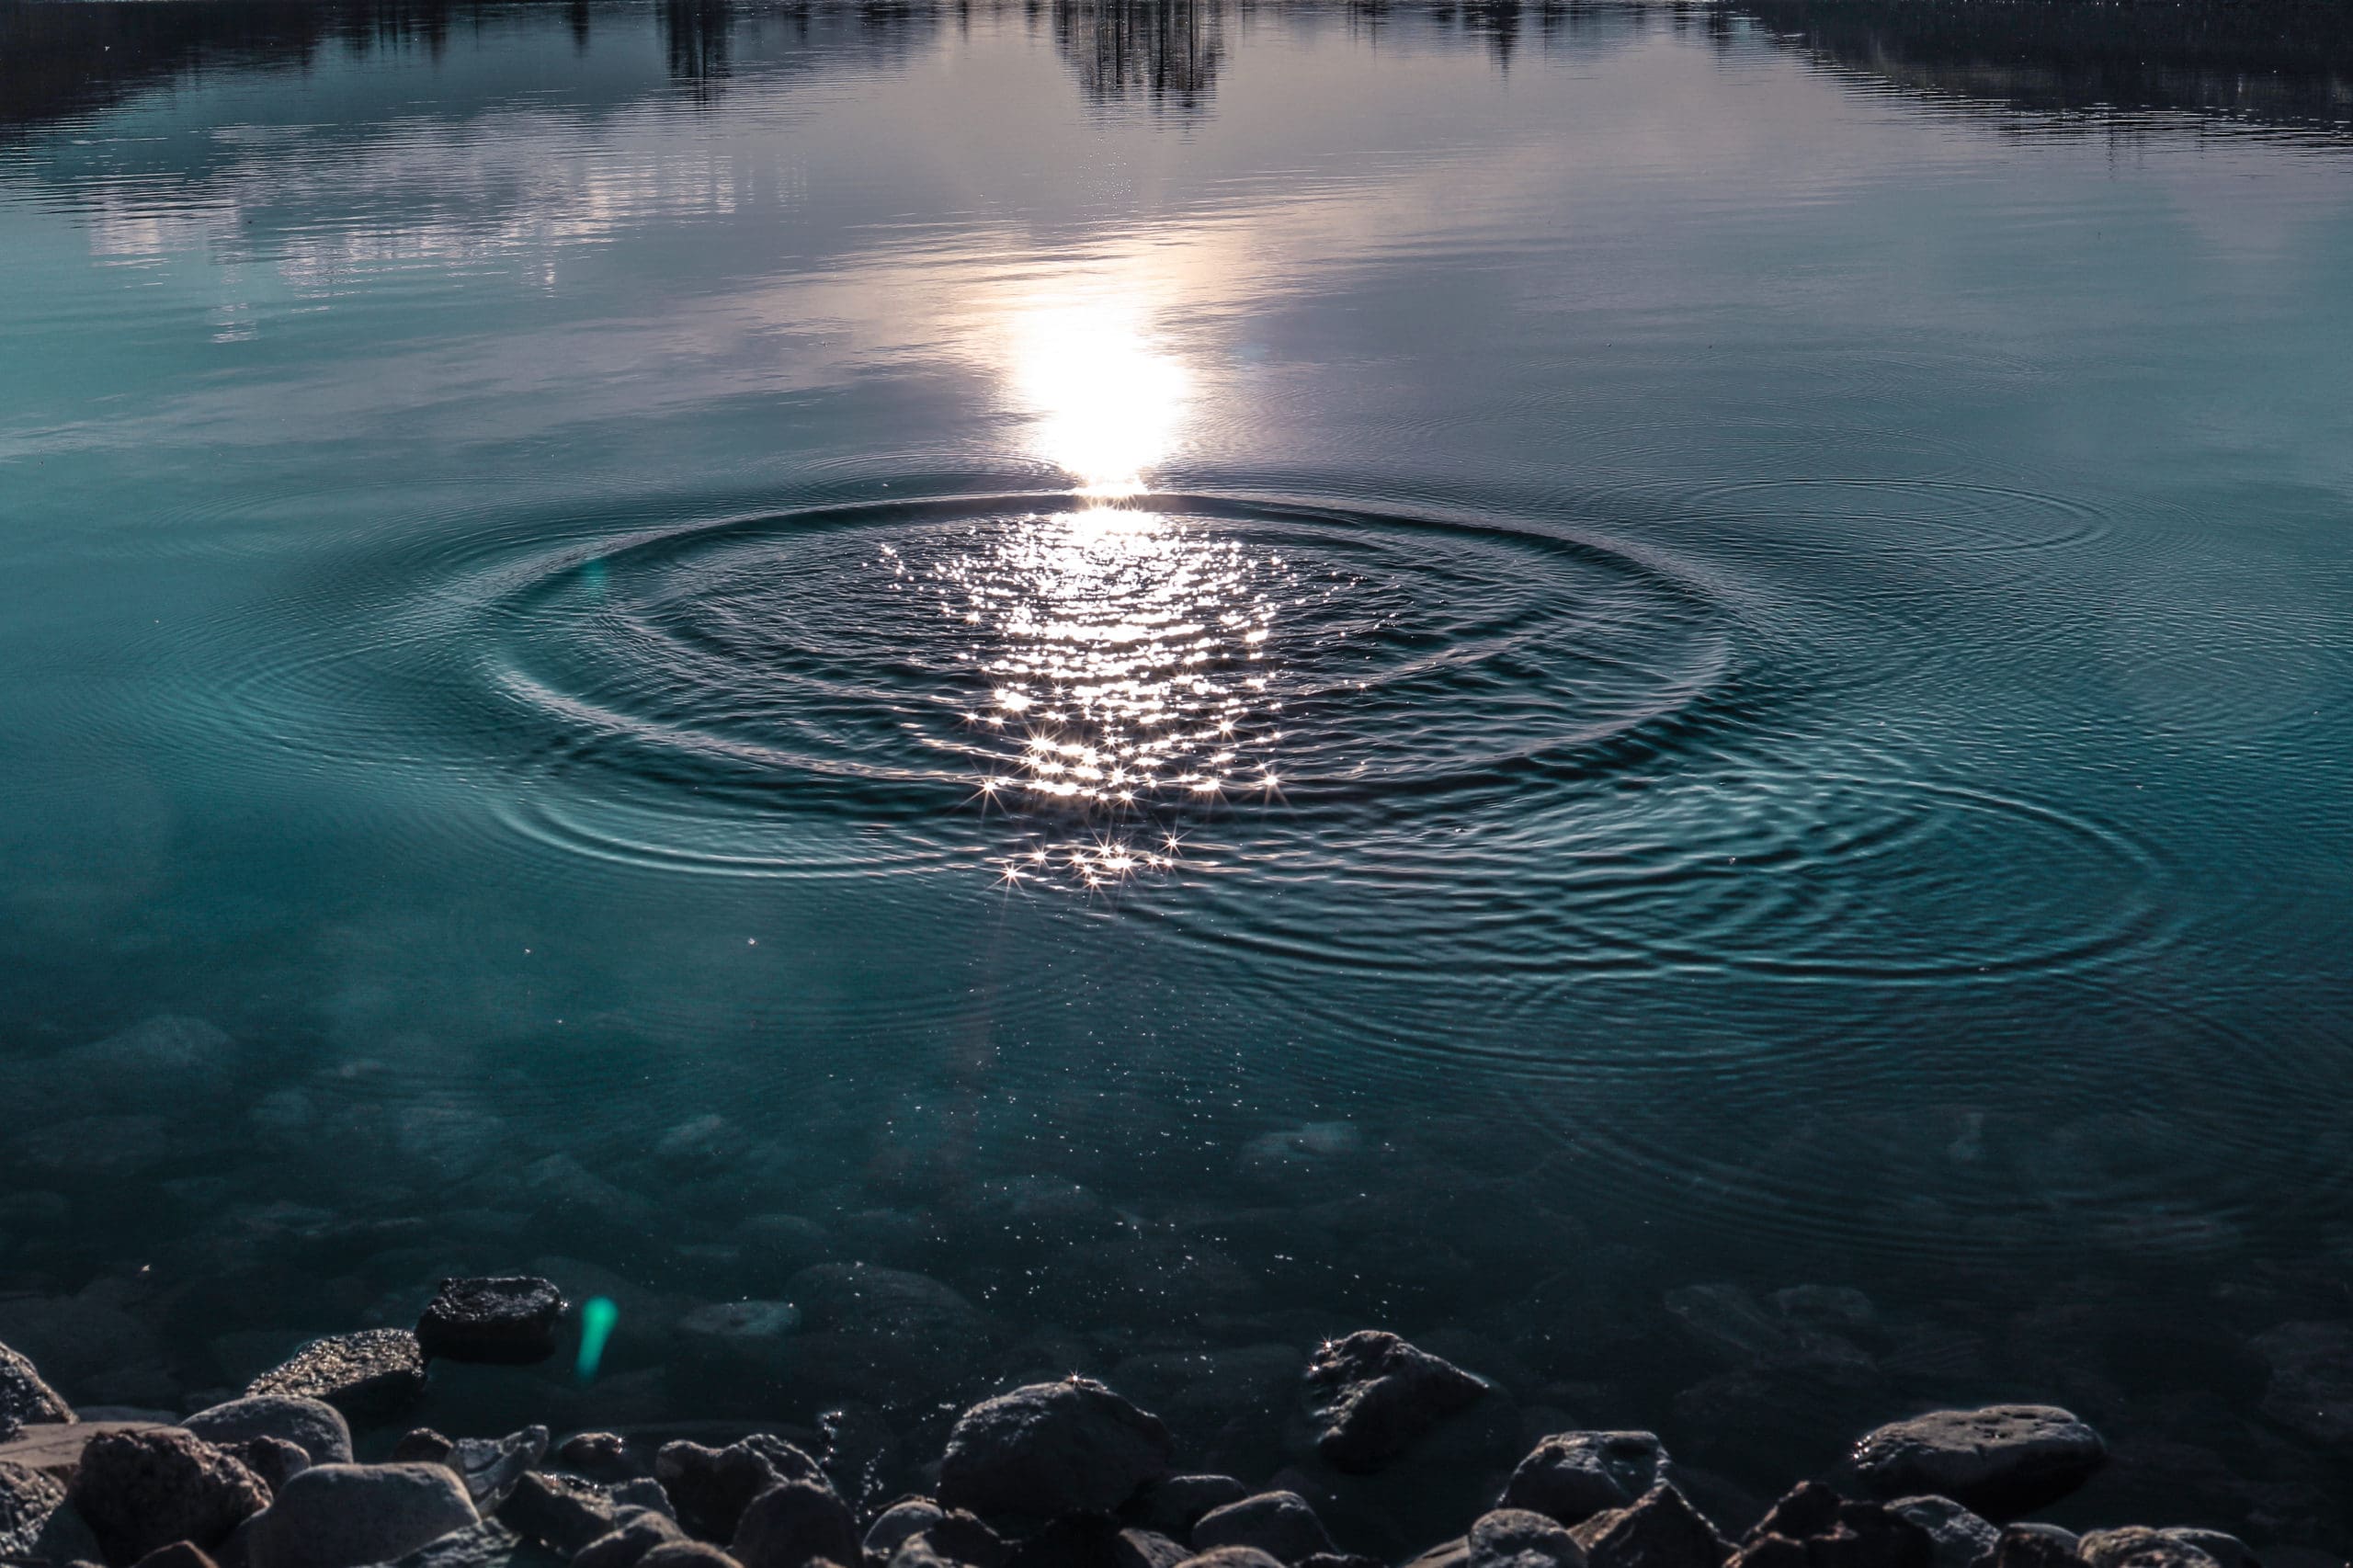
598 1315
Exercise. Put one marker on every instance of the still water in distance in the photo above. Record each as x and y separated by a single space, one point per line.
1527 674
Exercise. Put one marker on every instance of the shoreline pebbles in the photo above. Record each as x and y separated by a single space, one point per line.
1068 1473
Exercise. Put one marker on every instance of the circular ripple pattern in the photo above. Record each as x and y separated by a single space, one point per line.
1095 683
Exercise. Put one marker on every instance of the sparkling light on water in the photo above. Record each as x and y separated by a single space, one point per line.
1120 657
1109 401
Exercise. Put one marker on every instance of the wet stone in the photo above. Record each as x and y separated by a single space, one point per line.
1372 1395
709 1488
490 1467
1280 1523
507 1320
2034 1546
559 1511
691 1554
27 1499
599 1455
25 1400
1517 1538
1052 1449
138 1491
793 1525
377 1372
1660 1530
424 1445
1147 1549
2002 1461
1571 1476
1960 1538
275 1460
624 1547
1173 1505
894 1525
2140 1548
178 1554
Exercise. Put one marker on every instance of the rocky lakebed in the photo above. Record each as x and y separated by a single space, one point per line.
1067 1473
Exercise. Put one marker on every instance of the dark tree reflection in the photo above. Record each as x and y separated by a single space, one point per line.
697 35
1162 52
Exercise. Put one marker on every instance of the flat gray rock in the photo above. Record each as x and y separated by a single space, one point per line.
2002 1461
1571 1476
1051 1449
345 1515
313 1425
373 1372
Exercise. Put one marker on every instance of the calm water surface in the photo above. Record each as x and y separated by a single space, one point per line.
1213 675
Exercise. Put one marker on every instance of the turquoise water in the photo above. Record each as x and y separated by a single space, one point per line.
1212 673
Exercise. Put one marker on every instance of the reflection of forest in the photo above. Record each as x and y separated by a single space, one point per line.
1165 52
2287 64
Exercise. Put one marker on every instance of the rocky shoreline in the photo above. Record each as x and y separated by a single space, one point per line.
1061 1474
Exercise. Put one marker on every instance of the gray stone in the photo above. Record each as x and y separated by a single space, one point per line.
640 1533
2002 1461
488 1544
793 1524
315 1427
2035 1546
642 1492
2134 1546
559 1511
1372 1395
1280 1523
275 1460
1174 1504
27 1499
1571 1476
1659 1530
2224 1548
343 1516
1230 1557
709 1488
895 1524
1146 1549
1052 1449
423 1446
1520 1538
492 1466
140 1490
376 1372
24 1398
507 1320
1963 1540
692 1554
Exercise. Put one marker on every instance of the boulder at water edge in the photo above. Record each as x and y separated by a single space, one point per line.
138 1491
1052 1449
1571 1476
504 1321
316 1427
342 1516
1370 1395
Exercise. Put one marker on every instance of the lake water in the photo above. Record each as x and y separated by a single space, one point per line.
1526 673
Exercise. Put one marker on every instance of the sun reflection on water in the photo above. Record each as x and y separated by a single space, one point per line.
1109 400
1120 674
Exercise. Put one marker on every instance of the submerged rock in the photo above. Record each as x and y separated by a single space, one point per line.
373 1372
343 1516
2003 1459
138 1491
1571 1476
1052 1449
2311 1389
709 1488
1280 1523
1372 1395
509 1320
315 1427
24 1398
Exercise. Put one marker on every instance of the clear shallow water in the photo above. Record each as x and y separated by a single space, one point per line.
1214 675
